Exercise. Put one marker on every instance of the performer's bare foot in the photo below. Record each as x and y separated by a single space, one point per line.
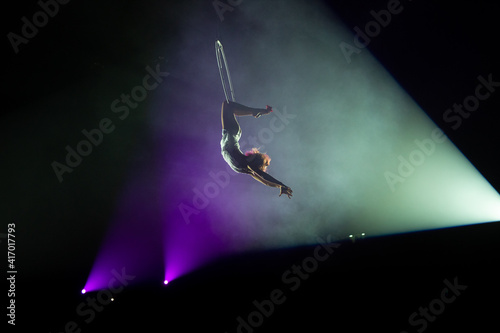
268 110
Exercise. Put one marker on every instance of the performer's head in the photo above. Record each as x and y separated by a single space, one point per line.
258 160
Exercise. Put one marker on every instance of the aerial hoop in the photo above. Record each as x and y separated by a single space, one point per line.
225 77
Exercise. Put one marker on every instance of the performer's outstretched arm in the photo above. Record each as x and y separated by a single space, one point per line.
268 180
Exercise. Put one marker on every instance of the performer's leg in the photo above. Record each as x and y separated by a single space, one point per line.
242 110
228 119
232 109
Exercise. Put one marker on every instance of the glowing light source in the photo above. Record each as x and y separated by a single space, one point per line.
84 291
165 282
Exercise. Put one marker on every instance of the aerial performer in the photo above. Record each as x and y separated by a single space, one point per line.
253 162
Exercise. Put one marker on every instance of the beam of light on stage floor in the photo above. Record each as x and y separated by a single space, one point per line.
131 250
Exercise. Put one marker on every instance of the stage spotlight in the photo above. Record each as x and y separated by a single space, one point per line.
165 282
83 291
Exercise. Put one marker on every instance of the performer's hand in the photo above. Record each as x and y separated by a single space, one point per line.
286 190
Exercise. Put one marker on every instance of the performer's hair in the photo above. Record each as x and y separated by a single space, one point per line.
256 160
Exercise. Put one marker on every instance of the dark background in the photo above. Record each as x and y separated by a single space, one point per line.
60 80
